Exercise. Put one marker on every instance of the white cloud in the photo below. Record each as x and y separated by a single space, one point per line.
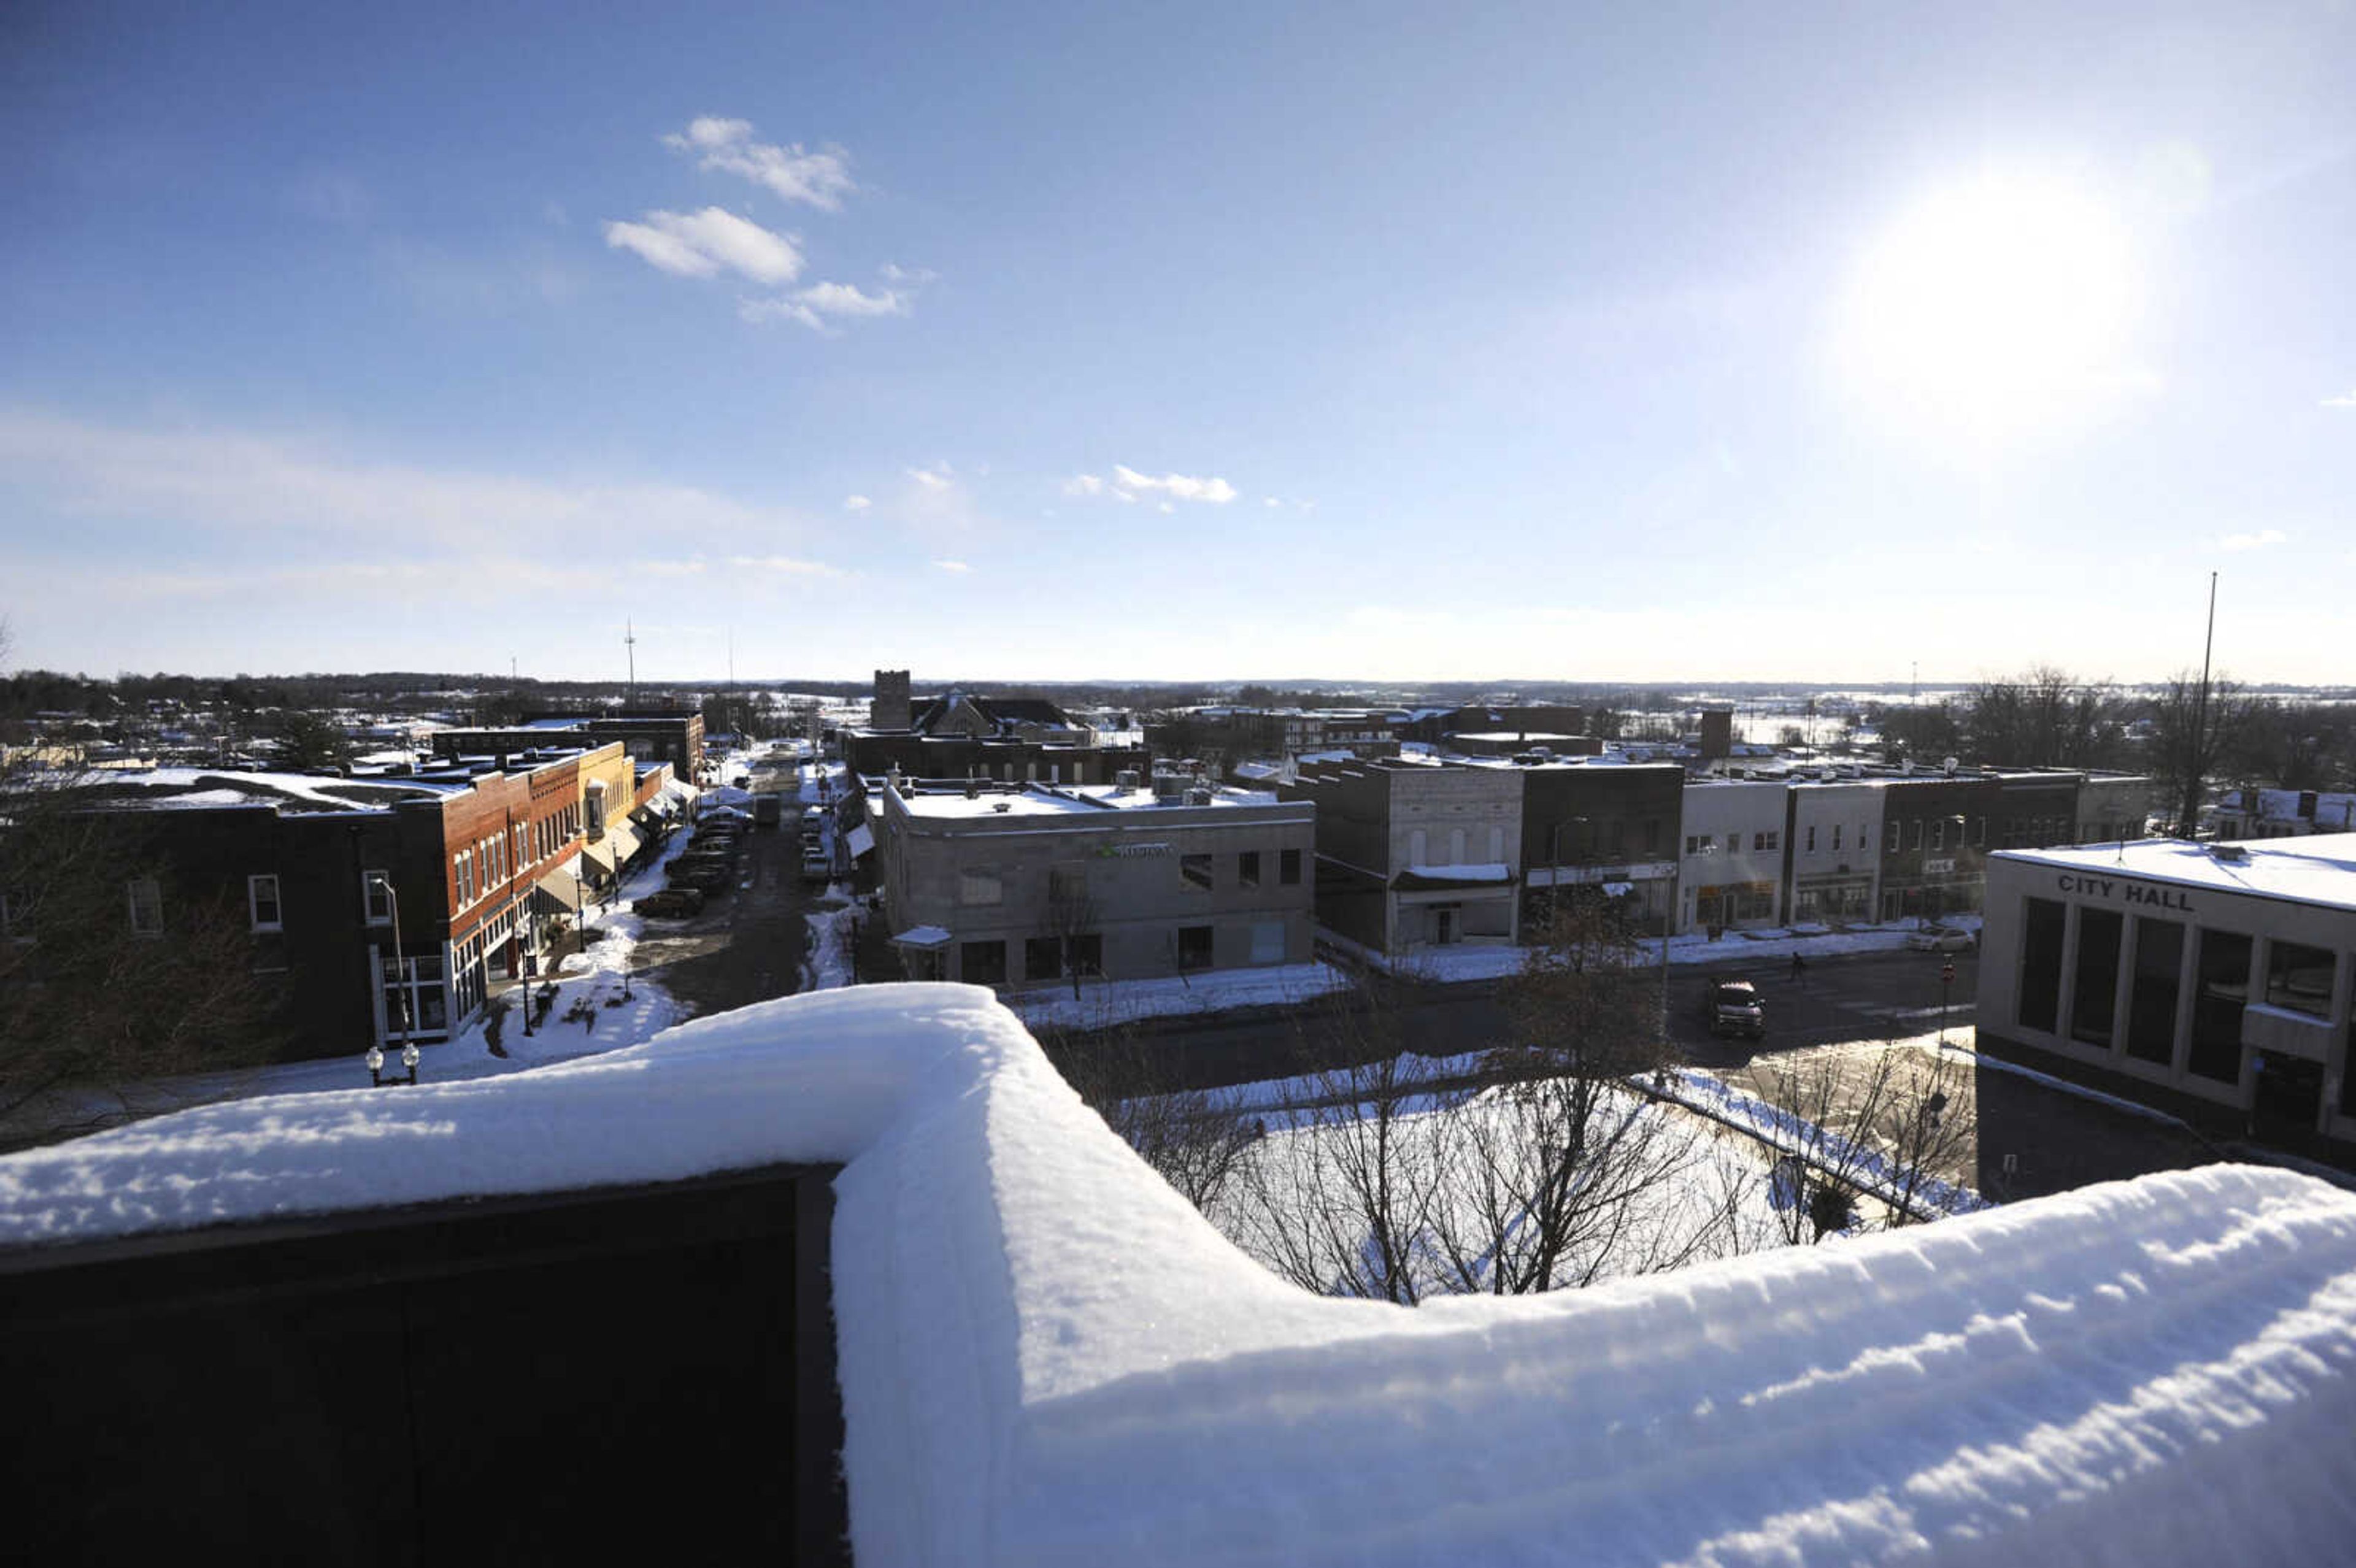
701 244
1168 506
784 565
789 170
856 503
1083 484
1178 486
2258 540
1269 501
956 566
2348 401
814 306
913 276
820 304
936 477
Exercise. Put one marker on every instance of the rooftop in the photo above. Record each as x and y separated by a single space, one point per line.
1067 800
1047 1356
2317 869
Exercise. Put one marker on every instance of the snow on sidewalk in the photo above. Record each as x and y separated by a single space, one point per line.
1106 1004
1461 963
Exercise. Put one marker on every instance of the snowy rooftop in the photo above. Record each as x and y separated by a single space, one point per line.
1069 800
1047 1357
2318 870
185 788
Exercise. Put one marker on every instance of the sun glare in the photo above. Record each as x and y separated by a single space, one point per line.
1993 312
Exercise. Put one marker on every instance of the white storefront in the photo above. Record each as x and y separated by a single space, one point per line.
2217 971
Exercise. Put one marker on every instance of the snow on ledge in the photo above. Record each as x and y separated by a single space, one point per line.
1047 1357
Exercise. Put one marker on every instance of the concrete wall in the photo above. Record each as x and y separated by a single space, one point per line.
1123 876
1832 849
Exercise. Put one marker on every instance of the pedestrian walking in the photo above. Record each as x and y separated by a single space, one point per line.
1799 970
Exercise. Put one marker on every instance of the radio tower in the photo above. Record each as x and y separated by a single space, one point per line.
630 643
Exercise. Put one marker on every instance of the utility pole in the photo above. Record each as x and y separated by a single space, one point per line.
2196 756
630 643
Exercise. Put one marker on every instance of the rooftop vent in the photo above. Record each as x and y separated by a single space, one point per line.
1198 796
1002 805
973 789
1950 765
1126 778
2233 853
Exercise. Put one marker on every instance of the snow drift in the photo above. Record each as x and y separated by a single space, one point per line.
1048 1357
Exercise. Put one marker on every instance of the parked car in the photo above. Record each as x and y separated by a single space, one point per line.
816 866
670 903
709 876
1735 1009
1940 939
768 810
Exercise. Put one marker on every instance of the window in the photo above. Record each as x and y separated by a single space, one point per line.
2151 1005
465 864
376 897
1651 835
2039 1001
1287 866
1938 834
146 906
1456 846
1762 841
1895 829
2223 973
1693 843
1193 947
1194 871
1979 831
1810 841
2093 1000
982 963
1247 869
261 903
1837 837
1087 953
2299 977
1915 838
980 885
1043 957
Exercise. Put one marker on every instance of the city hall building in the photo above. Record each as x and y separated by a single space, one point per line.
2221 972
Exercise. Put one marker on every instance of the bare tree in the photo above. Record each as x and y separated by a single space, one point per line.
1071 914
1877 1122
1196 1138
2196 726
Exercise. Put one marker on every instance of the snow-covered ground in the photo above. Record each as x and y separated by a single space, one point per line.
1103 1004
1046 1356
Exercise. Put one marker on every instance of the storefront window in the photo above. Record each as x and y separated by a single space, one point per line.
2151 1007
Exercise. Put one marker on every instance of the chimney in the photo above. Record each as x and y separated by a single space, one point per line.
890 709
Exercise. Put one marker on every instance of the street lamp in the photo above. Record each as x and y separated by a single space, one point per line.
399 964
1946 978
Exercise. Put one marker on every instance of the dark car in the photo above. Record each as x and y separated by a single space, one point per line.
1735 1009
670 903
709 876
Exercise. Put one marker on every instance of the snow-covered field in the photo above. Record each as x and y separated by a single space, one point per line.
1046 1356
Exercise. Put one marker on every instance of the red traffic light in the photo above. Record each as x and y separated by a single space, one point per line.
1947 973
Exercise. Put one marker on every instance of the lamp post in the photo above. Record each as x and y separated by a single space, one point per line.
1946 978
376 1065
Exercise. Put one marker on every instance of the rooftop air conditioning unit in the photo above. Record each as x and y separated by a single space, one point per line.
1198 797
1950 765
2233 853
1125 779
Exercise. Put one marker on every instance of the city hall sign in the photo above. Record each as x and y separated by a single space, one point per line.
2122 889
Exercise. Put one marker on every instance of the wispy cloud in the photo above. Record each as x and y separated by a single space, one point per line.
953 566
1127 485
933 478
228 491
784 565
856 503
2346 402
820 305
914 277
702 244
2261 540
788 171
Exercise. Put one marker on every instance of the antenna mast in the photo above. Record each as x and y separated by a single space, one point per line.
630 643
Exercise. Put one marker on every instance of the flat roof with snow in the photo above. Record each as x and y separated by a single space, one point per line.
1072 800
2317 870
1046 1356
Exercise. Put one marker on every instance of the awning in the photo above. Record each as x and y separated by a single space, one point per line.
597 860
562 885
624 841
922 936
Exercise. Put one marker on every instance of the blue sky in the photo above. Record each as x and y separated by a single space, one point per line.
1623 342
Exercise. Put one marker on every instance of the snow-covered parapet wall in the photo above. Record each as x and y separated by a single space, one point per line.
1047 1357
